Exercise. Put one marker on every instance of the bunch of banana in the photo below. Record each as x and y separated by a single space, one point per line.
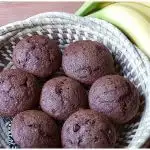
132 18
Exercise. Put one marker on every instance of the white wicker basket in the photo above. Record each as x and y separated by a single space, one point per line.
67 28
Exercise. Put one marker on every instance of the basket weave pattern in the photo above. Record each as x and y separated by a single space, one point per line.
66 28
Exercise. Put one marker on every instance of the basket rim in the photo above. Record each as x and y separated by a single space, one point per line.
44 18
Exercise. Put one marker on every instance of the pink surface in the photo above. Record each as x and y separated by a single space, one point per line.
13 11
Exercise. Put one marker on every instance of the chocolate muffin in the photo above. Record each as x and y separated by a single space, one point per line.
18 92
87 60
35 129
62 96
114 96
88 129
37 55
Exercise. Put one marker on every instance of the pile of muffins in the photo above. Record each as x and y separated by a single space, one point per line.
80 109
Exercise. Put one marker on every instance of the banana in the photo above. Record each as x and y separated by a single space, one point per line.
104 4
87 8
145 3
139 7
91 6
130 21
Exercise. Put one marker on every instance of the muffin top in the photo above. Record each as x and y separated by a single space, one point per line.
114 96
88 129
37 55
87 60
35 129
62 96
18 92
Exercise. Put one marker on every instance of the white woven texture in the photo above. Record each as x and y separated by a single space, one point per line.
66 28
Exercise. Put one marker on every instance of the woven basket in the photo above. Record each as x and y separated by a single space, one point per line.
66 28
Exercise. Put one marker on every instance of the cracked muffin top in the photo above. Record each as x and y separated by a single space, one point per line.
116 97
18 92
35 129
38 55
62 96
88 129
87 60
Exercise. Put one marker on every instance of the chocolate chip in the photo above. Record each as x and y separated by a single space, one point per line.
95 139
79 140
93 122
76 127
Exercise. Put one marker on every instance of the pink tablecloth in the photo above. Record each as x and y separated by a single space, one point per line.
13 11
